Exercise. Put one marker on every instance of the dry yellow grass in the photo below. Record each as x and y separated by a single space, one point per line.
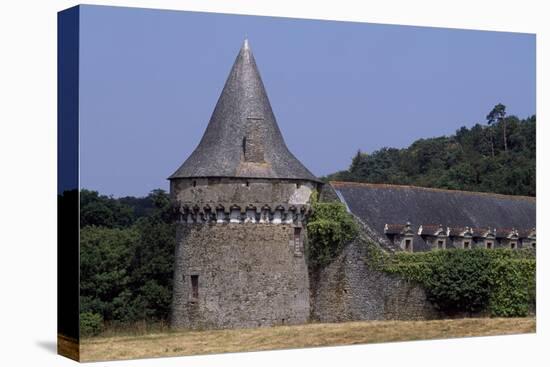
179 343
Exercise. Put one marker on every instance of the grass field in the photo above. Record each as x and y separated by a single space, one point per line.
176 343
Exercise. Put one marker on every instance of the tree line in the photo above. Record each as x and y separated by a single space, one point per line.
126 259
498 156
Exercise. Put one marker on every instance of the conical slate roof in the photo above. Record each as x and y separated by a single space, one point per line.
242 138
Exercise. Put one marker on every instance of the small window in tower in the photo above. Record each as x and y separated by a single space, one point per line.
440 244
408 245
533 245
247 183
297 231
194 183
194 286
513 245
298 185
466 244
297 241
489 245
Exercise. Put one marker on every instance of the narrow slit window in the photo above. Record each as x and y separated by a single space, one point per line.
297 236
408 245
195 286
297 239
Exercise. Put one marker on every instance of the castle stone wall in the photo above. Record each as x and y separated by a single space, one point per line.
348 289
249 275
227 192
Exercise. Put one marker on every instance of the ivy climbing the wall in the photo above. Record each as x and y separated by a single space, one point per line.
500 281
329 228
513 280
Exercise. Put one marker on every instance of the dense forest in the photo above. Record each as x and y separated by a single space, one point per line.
498 156
126 259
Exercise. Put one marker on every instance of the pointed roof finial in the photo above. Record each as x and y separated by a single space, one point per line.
245 43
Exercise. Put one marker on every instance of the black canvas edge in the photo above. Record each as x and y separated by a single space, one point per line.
68 223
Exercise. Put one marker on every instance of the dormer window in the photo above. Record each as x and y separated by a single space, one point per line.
489 245
253 142
466 245
440 244
513 245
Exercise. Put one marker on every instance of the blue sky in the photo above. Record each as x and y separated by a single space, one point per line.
149 80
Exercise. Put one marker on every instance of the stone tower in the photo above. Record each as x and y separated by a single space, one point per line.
242 199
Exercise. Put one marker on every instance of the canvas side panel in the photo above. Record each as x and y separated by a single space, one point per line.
67 183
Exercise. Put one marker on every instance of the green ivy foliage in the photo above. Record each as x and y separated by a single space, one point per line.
499 281
329 228
513 283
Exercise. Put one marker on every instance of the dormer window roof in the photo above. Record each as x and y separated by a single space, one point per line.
402 229
508 233
461 232
484 232
433 230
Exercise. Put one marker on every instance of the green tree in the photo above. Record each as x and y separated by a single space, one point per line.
497 115
126 273
101 210
90 323
105 258
152 263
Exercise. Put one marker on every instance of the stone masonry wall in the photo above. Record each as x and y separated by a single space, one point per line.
348 289
227 192
249 275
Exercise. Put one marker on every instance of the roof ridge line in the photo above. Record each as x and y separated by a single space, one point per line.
434 189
